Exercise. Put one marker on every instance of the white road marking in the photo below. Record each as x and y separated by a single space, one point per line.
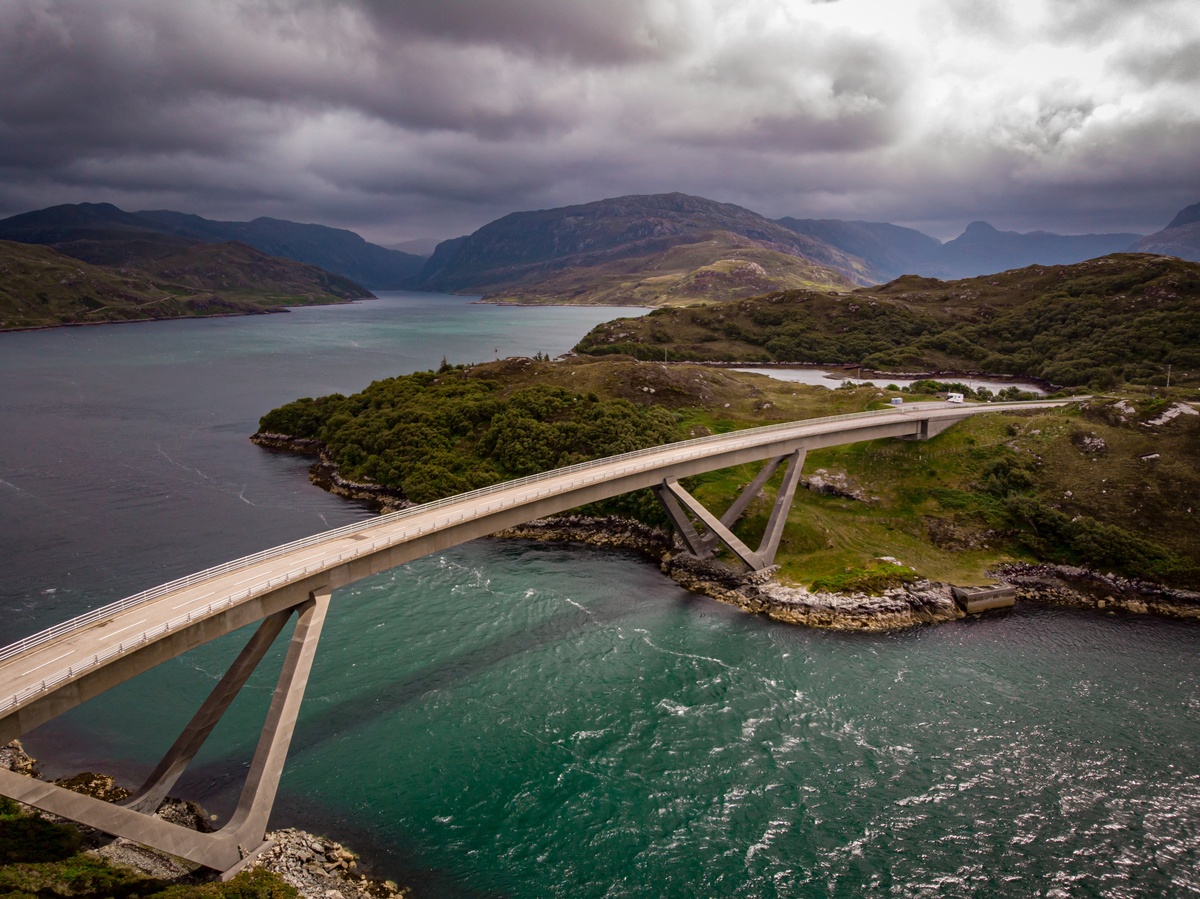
125 628
51 662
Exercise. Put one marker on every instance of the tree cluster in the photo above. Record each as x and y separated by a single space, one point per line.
435 434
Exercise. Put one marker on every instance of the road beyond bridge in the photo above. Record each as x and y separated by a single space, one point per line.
48 673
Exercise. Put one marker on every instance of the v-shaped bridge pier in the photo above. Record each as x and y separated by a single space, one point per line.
228 849
678 502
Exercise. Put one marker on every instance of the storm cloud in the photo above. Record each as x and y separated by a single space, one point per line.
428 119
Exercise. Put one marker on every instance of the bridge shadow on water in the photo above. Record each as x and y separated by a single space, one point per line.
215 780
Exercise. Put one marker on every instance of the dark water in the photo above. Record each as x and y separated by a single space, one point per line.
513 719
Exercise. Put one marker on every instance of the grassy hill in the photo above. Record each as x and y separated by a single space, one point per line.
586 248
1009 487
1122 318
40 287
718 267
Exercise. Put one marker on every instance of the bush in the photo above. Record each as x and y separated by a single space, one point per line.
873 579
1085 541
31 838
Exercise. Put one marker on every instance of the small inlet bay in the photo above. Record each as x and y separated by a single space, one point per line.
511 718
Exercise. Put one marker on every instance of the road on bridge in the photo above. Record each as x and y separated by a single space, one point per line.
59 668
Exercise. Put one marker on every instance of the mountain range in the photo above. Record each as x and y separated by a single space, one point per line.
659 249
674 249
891 251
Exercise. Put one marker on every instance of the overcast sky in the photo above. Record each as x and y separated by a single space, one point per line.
405 119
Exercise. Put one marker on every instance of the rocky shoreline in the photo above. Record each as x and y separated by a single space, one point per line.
923 602
1081 588
324 473
318 867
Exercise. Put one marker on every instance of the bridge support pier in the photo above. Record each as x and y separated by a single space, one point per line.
227 849
676 500
929 429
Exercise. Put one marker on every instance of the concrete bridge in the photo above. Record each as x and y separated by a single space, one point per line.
48 673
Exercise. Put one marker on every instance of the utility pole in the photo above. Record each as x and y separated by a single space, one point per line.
1168 375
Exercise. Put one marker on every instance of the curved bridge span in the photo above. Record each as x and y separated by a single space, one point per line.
48 673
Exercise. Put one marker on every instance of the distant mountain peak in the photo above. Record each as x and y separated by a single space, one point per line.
1180 238
1187 216
980 229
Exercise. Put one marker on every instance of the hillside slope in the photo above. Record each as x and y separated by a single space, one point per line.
1121 318
332 249
103 234
40 287
718 267
524 252
889 250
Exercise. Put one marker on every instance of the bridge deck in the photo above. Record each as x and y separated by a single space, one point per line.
47 673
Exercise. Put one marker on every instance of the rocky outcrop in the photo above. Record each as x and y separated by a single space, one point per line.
324 473
836 483
1067 585
13 757
100 786
920 603
1170 414
321 868
383 499
305 446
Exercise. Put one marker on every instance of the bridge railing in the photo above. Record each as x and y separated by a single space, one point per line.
734 440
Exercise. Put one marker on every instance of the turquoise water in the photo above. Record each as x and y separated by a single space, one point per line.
516 719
